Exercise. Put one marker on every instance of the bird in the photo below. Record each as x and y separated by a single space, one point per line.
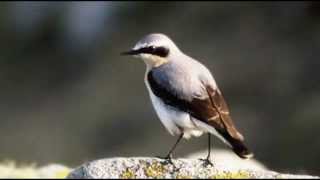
185 95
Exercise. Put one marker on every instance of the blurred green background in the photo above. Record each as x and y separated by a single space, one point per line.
67 96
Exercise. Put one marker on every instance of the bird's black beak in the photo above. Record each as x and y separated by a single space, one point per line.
130 52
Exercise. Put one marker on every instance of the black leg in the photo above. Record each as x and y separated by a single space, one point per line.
209 145
168 158
207 160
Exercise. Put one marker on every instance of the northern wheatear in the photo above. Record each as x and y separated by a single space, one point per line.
185 95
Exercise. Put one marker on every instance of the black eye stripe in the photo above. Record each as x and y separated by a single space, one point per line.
159 51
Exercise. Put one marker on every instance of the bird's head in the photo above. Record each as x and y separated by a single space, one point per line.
154 49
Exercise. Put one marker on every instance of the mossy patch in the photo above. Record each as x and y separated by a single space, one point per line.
155 170
181 176
61 174
232 175
128 174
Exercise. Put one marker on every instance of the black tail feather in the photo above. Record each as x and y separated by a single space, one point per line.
238 146
240 149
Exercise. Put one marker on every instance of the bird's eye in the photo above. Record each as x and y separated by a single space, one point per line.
152 48
159 51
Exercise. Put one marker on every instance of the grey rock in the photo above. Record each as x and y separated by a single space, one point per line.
144 167
229 160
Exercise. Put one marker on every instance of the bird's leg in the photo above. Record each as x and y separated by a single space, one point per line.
207 161
168 158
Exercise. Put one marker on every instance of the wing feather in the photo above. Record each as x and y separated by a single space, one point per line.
218 103
211 108
208 106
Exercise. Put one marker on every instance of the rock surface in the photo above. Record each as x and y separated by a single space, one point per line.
229 160
144 167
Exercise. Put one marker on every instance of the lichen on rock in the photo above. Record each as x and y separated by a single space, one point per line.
140 167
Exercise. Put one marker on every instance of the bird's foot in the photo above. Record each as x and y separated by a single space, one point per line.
167 159
206 162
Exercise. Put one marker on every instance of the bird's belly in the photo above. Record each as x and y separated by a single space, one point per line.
174 120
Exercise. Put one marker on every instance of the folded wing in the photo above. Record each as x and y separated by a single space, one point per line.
208 107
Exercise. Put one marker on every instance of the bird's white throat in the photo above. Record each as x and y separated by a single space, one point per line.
153 61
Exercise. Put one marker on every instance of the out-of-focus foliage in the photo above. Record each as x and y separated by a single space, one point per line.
9 169
67 96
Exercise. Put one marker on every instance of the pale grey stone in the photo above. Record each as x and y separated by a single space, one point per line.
144 167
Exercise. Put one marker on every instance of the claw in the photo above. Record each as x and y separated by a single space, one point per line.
206 162
167 160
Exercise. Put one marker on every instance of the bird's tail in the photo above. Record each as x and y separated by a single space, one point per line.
240 149
237 146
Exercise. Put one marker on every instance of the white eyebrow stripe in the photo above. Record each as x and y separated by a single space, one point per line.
139 46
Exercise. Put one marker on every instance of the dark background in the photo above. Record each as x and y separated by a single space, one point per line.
67 96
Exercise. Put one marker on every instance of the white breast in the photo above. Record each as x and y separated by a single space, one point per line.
175 121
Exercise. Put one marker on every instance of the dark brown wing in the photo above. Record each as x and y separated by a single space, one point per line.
215 112
218 103
209 108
